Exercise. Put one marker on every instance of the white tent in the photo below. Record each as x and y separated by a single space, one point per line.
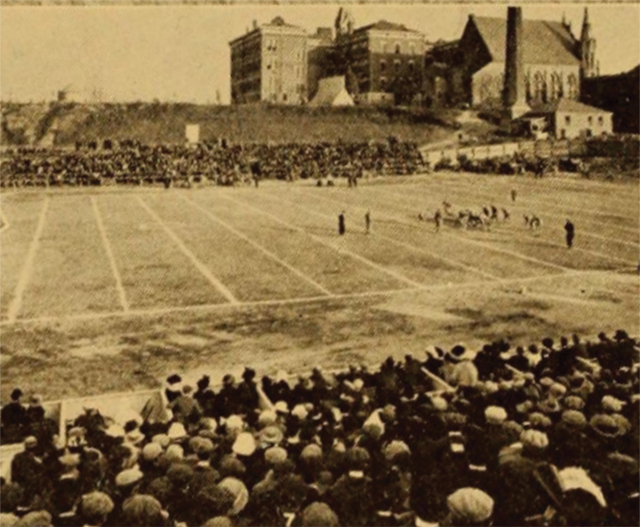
332 92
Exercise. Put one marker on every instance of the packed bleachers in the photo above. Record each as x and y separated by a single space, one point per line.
226 164
544 435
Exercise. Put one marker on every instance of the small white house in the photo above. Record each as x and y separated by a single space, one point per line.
568 119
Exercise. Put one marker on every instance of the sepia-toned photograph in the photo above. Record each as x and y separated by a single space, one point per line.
336 264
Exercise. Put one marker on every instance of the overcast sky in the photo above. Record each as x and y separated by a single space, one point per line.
181 52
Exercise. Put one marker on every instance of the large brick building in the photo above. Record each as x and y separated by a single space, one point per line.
269 63
280 63
471 70
386 59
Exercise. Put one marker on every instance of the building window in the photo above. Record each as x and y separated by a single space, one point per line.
567 119
600 121
572 81
590 119
383 66
411 66
284 97
383 83
396 66
397 48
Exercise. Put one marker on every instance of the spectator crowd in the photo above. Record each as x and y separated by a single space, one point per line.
544 435
221 163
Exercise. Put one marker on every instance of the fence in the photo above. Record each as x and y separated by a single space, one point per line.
563 148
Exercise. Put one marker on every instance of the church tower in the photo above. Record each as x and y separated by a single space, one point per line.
588 65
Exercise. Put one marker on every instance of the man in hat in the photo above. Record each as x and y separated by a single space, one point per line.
352 497
341 223
226 401
367 222
469 507
28 471
185 408
95 508
173 388
464 371
205 396
14 418
518 492
35 411
248 397
570 232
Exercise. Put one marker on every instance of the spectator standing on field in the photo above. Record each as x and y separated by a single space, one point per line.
570 231
514 194
367 221
341 225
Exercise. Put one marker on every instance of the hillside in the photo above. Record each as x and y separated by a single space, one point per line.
165 123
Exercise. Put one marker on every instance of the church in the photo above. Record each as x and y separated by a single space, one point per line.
470 71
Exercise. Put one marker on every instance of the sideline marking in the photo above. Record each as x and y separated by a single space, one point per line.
298 300
239 234
453 263
27 268
107 247
397 276
192 257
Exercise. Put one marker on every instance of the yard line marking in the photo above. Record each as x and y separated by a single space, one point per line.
300 300
112 261
453 263
27 268
192 257
215 307
398 276
271 255
514 253
492 248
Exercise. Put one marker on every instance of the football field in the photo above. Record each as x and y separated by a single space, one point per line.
110 270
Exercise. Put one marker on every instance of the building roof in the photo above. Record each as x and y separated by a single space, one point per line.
332 92
544 42
566 106
384 25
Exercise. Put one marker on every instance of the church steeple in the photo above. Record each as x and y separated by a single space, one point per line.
588 66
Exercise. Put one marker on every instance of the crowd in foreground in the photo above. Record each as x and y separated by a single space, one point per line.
224 164
544 435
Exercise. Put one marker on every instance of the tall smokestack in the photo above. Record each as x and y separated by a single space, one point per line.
513 95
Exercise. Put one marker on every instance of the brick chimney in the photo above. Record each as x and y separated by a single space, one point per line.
514 92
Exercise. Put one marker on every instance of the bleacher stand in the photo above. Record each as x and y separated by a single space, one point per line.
546 435
225 164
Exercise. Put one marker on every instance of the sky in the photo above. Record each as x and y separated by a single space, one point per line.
177 52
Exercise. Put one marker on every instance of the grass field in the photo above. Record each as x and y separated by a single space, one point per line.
113 289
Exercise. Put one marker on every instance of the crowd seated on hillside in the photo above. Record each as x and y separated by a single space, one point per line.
544 435
219 162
